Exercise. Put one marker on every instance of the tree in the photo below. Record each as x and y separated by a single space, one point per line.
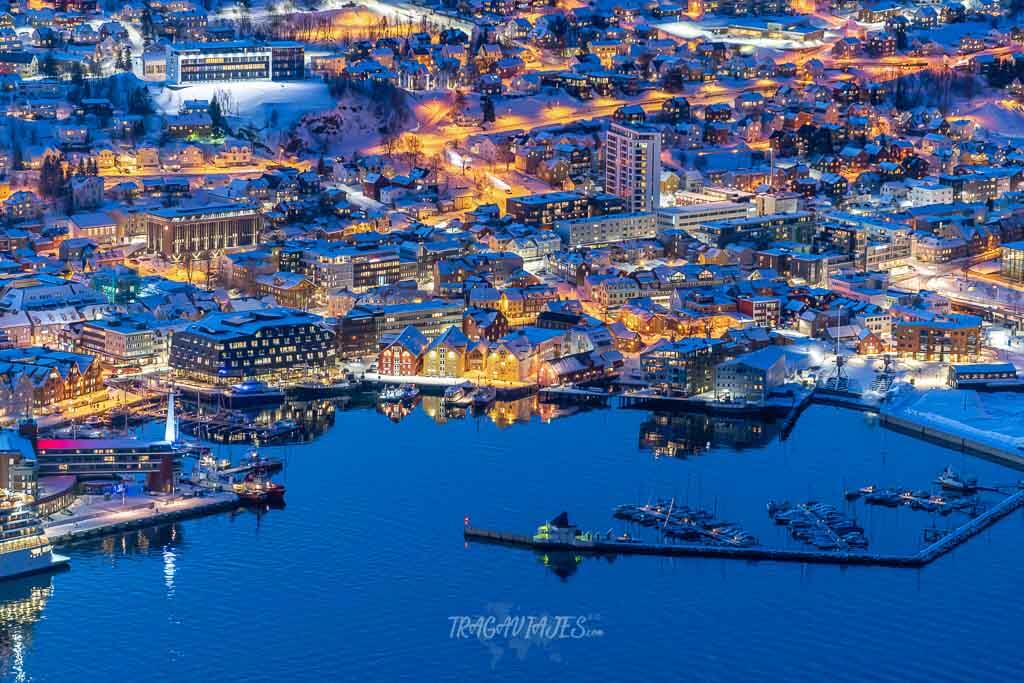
487 105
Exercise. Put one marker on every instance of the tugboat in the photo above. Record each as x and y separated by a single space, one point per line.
952 481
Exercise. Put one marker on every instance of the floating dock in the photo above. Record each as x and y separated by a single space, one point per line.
923 557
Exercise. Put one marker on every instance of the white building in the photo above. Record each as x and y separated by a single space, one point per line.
926 193
633 166
690 216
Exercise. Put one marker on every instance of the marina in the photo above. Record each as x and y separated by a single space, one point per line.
569 538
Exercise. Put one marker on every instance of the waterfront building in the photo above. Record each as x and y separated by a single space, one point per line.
207 231
633 165
752 376
685 367
254 345
445 356
361 330
401 355
954 338
159 461
968 375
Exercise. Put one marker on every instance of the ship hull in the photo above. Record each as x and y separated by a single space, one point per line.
21 563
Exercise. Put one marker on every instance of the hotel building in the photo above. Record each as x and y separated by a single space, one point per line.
255 345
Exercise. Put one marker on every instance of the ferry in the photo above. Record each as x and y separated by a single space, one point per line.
24 548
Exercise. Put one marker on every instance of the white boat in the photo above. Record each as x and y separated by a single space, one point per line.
459 395
399 394
952 481
24 547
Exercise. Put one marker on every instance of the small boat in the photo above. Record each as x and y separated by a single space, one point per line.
952 481
484 396
405 393
460 395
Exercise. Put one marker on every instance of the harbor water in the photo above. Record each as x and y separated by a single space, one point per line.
365 575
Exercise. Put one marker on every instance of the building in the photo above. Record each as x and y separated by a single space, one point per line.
1012 263
446 355
685 367
260 344
104 458
544 210
37 380
124 342
401 355
692 215
183 233
364 327
241 60
953 339
982 374
601 230
633 165
752 376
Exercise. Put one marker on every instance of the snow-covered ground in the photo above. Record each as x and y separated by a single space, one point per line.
254 101
989 417
995 117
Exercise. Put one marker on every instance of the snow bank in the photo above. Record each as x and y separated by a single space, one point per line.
992 418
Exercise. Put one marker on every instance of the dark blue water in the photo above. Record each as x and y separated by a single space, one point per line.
358 576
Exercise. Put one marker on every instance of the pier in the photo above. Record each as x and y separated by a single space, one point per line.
611 546
111 517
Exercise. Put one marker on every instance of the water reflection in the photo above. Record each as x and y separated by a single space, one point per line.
501 413
288 422
138 542
21 605
678 435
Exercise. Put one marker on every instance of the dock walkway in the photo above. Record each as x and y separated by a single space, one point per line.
112 517
923 557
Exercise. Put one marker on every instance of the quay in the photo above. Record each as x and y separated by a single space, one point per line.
600 546
111 517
